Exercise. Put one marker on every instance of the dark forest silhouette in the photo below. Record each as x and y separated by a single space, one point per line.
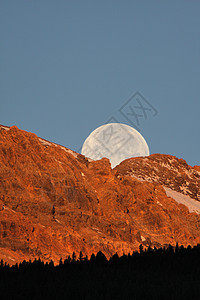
164 273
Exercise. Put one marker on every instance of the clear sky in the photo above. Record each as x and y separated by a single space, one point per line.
67 67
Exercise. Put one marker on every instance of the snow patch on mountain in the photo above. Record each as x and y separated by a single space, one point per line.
69 151
193 205
44 142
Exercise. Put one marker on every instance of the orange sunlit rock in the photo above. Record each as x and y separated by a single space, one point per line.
54 201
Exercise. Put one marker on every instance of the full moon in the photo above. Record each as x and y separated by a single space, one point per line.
115 141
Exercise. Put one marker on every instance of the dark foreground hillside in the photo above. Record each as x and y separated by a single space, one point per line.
172 273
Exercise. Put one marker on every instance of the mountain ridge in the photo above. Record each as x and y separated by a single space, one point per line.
96 208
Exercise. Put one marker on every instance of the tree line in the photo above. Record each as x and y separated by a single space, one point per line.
152 273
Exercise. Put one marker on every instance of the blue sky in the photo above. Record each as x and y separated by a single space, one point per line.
69 66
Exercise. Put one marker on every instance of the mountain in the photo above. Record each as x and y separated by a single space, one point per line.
54 201
166 170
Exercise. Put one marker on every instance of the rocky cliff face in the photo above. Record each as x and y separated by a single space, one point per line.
54 201
167 170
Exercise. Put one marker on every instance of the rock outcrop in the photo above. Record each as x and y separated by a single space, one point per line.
167 170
